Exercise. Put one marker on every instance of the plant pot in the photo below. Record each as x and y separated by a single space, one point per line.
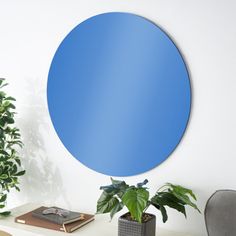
128 227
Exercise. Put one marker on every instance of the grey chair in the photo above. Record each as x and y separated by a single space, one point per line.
220 213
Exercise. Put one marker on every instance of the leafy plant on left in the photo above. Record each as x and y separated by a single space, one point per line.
10 140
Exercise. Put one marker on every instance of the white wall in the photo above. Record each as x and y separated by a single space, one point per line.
204 30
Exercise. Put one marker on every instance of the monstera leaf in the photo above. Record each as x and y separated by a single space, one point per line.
106 203
136 201
117 187
117 207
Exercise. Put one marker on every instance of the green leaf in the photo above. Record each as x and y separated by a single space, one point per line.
4 152
4 158
20 173
8 180
113 181
182 190
10 99
2 94
111 189
17 188
168 199
183 194
2 206
9 120
117 187
14 169
5 213
119 206
162 210
135 199
3 85
6 103
164 214
186 200
4 176
106 203
3 198
12 106
18 161
2 80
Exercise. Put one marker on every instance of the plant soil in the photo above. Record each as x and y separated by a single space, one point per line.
145 217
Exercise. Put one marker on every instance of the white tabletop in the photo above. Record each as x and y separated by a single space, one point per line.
99 227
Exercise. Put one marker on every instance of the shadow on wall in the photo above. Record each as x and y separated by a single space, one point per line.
42 182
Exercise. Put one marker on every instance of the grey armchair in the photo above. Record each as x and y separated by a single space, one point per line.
220 213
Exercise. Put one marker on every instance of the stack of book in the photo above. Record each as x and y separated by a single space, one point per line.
55 218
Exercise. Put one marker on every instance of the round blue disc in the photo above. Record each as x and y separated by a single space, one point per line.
119 94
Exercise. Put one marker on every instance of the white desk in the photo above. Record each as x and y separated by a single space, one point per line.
99 227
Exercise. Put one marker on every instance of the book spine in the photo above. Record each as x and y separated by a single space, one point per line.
69 229
63 229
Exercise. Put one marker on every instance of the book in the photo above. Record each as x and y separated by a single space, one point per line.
29 219
56 218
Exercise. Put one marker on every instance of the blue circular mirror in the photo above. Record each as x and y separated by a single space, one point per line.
119 94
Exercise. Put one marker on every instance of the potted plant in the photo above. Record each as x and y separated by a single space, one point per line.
10 138
137 222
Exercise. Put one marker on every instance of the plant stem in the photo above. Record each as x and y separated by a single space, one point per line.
158 190
148 204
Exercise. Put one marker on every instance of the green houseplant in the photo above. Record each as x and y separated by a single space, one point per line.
10 138
137 200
